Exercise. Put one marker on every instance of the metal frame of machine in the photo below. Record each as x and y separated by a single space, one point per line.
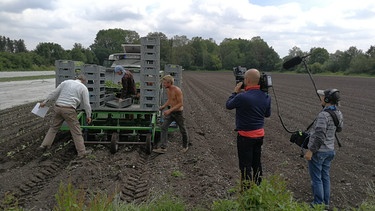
135 124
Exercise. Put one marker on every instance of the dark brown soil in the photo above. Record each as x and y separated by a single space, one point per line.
210 168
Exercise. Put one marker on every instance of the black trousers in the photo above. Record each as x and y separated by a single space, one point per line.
180 121
249 157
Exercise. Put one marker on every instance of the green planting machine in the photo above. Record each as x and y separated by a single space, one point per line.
136 120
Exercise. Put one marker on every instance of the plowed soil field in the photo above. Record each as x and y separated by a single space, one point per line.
210 168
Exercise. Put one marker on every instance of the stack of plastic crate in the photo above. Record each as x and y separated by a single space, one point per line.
149 74
176 72
95 76
67 69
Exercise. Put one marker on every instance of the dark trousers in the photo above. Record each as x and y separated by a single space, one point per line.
180 120
249 157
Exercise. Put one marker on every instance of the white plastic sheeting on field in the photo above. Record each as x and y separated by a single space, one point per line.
21 92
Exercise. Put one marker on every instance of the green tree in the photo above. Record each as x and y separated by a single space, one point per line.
9 45
254 53
19 46
90 56
12 46
260 55
345 58
25 61
199 50
361 64
37 60
371 52
353 52
230 54
295 51
213 62
197 53
180 51
317 58
6 61
109 41
3 43
77 53
211 58
179 41
318 55
316 68
183 55
16 61
332 64
51 52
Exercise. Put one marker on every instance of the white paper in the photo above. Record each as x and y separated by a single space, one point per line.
40 111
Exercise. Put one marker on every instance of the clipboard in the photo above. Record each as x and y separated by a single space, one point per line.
41 112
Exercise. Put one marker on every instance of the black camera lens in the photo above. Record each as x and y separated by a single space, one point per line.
240 79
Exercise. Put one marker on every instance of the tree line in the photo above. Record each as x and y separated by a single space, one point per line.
192 54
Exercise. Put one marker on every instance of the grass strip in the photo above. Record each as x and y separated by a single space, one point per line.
25 78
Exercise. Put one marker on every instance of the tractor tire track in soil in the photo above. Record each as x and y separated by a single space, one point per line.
136 187
210 168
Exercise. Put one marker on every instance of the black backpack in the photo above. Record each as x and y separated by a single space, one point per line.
301 138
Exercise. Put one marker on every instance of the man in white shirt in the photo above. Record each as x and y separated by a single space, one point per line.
68 95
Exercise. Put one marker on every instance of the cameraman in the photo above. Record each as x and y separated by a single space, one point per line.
251 106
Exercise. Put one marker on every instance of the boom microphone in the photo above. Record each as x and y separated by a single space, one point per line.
294 61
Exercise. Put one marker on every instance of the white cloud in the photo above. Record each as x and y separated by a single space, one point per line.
283 24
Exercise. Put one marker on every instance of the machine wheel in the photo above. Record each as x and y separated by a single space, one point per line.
114 142
148 143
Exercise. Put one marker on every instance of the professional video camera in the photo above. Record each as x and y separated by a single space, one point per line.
265 80
239 74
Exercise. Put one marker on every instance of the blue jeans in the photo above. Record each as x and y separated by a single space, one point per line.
319 167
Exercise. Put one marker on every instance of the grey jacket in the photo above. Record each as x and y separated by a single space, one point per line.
322 134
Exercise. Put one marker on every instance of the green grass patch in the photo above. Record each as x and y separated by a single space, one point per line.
25 78
271 194
70 198
177 173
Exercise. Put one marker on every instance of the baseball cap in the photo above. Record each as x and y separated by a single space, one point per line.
119 68
320 92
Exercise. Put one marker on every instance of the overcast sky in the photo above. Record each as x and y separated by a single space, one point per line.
283 24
